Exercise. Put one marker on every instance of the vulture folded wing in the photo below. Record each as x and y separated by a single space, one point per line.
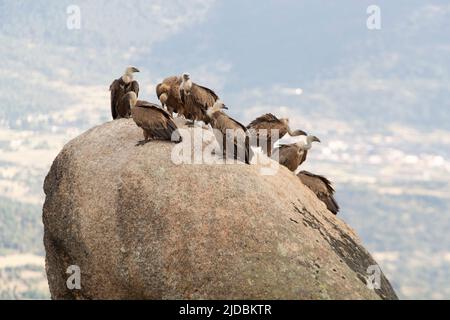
239 125
174 85
116 93
287 156
267 118
134 86
270 124
322 187
123 106
202 96
159 90
302 158
156 121
244 141
171 87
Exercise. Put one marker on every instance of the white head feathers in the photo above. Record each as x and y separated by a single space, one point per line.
302 141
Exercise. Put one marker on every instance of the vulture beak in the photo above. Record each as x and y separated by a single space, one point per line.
225 107
135 69
316 139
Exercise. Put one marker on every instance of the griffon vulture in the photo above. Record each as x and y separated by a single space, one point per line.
322 187
196 99
270 124
292 155
155 122
168 93
119 88
223 123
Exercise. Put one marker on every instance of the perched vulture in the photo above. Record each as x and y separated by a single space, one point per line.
196 99
321 186
221 122
119 88
270 124
155 122
293 155
168 92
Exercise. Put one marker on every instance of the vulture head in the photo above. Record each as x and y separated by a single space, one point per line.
218 106
128 76
311 139
186 84
130 70
186 76
303 141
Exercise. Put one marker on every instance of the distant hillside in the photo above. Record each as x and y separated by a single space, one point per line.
21 228
22 272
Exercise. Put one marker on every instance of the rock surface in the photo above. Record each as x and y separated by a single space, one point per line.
141 227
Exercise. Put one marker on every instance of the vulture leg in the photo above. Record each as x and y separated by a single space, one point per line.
269 147
141 143
146 139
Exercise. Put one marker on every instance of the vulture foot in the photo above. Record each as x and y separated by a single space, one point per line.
142 143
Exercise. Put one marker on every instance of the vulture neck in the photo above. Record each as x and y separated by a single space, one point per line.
187 85
212 113
305 146
127 78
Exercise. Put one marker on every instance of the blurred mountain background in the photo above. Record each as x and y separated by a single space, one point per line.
378 99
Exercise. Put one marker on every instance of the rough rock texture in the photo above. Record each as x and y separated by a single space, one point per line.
141 227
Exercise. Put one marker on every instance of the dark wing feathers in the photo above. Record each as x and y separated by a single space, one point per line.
209 91
268 117
322 187
327 182
118 89
117 92
200 97
237 123
159 91
303 158
222 122
270 123
133 86
287 156
171 87
155 120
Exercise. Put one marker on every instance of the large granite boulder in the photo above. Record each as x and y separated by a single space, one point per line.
140 226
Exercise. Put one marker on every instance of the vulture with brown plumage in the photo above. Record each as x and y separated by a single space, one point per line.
181 95
168 92
322 187
119 88
223 125
156 123
292 155
196 99
268 128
